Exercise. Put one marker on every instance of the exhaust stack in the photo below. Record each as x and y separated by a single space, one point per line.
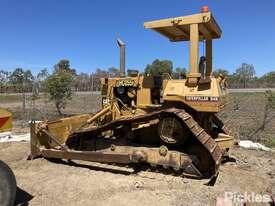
121 45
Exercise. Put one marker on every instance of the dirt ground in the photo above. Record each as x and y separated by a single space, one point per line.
42 182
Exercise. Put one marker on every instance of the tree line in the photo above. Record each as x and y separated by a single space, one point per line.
22 79
244 77
60 84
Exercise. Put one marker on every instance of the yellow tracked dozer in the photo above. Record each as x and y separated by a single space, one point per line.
145 119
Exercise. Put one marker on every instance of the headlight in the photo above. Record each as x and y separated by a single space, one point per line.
120 90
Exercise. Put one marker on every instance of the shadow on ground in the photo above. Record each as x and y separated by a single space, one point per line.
91 167
22 197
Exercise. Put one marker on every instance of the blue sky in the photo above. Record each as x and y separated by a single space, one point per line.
37 33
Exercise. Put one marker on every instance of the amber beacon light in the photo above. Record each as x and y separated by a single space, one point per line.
204 9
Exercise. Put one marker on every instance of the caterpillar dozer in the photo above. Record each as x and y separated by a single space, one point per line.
145 119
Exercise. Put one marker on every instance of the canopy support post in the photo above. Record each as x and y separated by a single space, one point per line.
194 74
208 57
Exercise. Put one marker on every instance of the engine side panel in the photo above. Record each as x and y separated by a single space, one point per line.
206 97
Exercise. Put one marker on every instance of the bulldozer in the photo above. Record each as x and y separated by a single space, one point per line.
155 120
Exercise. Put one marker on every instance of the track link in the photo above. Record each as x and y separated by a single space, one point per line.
205 139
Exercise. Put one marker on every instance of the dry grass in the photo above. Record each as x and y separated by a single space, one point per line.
244 113
43 108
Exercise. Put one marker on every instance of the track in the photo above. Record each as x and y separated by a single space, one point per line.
198 132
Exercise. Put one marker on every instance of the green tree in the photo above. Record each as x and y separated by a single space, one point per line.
42 75
59 85
37 84
159 67
179 71
19 76
64 66
245 73
219 71
21 79
4 78
267 80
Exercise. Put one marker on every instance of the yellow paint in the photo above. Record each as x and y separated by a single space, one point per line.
7 125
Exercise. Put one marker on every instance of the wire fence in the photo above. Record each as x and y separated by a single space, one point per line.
25 108
245 114
250 116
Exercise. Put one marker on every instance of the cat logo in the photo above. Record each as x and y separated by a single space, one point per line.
105 101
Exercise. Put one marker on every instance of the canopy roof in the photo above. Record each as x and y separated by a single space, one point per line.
178 28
